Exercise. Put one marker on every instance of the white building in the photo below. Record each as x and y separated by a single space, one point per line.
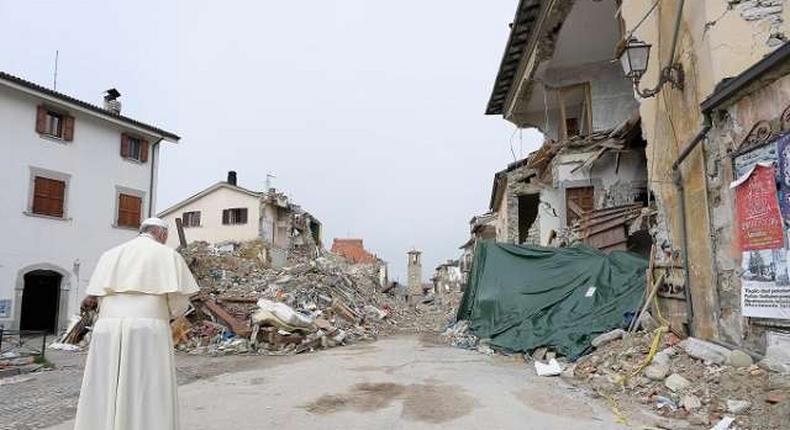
227 212
78 179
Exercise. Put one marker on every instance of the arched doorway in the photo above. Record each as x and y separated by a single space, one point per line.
40 300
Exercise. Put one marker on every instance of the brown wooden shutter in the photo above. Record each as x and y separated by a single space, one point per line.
41 119
48 196
143 150
129 210
68 128
125 150
243 216
226 216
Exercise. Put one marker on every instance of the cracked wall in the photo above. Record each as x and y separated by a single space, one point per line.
730 129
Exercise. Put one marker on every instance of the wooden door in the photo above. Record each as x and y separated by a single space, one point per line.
578 200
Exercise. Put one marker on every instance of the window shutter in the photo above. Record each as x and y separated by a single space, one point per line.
129 210
125 146
143 150
226 216
243 216
68 128
48 196
41 119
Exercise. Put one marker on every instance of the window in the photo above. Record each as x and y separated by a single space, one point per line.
578 200
134 148
191 219
575 110
129 210
234 216
52 123
48 196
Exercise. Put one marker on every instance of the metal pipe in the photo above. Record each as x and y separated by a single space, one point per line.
153 172
677 31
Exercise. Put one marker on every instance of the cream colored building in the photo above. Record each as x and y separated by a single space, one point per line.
226 211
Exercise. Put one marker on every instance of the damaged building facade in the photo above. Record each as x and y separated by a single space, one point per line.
691 116
557 76
226 212
715 99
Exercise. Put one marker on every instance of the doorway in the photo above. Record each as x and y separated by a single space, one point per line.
527 214
40 301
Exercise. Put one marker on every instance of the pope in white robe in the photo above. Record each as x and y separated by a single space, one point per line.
130 380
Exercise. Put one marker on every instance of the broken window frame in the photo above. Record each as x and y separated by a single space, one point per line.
584 119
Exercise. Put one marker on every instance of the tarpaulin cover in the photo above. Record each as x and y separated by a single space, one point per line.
524 297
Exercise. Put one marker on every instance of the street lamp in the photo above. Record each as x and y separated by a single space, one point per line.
634 59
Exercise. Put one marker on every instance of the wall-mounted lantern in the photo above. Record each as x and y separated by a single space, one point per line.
634 59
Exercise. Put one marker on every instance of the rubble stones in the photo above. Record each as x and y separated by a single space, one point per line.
608 337
738 358
656 372
738 406
690 402
705 351
676 382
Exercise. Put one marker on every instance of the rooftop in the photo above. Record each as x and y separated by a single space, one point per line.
19 83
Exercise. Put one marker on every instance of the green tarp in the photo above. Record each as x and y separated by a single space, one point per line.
524 297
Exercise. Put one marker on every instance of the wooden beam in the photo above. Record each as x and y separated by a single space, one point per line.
182 238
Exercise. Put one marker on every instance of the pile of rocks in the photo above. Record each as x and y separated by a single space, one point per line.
692 379
246 305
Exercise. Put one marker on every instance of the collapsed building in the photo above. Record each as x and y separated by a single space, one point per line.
672 157
227 212
448 277
593 156
353 250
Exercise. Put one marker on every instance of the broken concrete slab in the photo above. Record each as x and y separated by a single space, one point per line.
738 358
705 351
608 337
738 406
676 382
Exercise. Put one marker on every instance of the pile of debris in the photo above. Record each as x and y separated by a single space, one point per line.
246 305
701 382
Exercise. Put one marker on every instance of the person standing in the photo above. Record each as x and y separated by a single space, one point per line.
130 380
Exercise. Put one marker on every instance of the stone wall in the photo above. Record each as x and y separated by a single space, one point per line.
731 128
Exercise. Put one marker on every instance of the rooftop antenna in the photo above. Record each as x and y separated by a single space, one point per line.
55 78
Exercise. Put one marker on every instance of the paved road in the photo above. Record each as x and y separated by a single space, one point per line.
395 383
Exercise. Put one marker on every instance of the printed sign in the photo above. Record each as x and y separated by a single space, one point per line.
5 308
759 217
765 286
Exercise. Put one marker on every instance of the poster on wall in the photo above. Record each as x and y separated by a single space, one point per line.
783 174
765 281
759 218
5 308
765 286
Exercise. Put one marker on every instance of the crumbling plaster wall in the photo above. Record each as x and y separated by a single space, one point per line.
614 186
714 43
729 130
611 97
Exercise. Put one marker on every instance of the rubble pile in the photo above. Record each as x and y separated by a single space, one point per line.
246 305
694 380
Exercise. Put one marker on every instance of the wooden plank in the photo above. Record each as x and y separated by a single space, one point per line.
182 238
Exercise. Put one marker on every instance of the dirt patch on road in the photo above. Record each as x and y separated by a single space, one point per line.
430 402
552 403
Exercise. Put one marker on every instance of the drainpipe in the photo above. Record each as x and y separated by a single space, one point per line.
151 182
677 179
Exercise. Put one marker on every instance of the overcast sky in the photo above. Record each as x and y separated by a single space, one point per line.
369 113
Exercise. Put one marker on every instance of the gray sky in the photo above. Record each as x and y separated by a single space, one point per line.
369 113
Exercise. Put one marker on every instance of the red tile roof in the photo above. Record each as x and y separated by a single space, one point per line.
353 250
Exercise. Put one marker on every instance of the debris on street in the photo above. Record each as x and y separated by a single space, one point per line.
690 379
246 305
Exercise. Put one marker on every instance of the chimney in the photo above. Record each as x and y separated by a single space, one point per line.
232 178
111 102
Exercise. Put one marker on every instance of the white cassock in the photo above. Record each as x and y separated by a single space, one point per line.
130 380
